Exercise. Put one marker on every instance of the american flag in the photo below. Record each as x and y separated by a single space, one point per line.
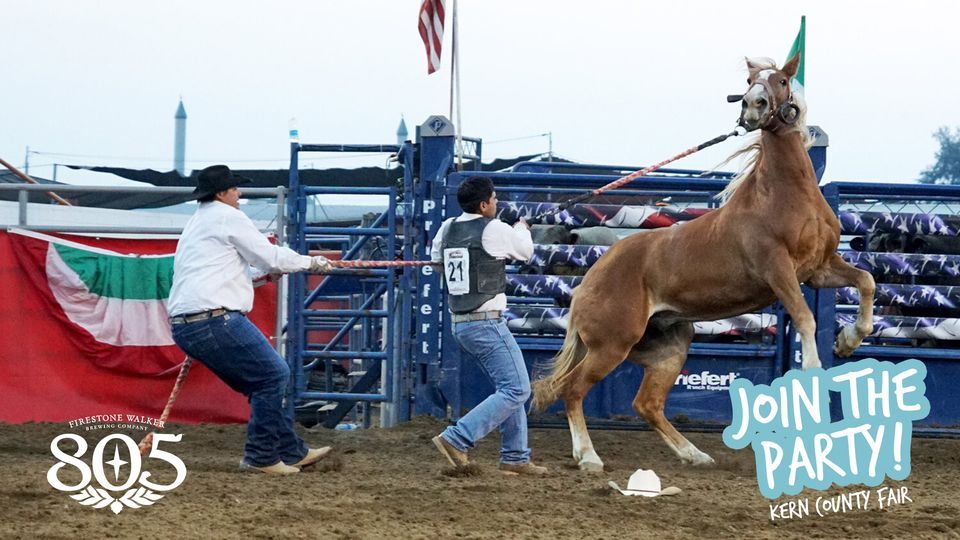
431 31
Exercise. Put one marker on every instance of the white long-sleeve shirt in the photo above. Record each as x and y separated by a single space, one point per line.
499 240
210 268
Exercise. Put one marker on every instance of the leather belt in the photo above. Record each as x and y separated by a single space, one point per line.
202 316
475 316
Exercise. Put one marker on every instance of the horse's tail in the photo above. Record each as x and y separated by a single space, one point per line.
549 388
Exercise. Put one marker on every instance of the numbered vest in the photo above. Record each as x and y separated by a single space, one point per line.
472 275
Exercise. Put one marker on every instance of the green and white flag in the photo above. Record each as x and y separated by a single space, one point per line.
111 305
799 45
119 299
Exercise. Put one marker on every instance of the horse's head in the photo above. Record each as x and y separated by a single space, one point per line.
769 101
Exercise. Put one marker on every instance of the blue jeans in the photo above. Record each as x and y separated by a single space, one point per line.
237 352
491 345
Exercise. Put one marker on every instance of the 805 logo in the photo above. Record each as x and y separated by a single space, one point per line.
96 488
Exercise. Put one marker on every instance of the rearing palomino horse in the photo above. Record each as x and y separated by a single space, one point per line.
639 301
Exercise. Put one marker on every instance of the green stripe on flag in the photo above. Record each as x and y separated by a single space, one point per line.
129 278
799 45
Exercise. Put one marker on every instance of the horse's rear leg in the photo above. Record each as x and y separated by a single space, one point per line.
596 365
838 273
662 354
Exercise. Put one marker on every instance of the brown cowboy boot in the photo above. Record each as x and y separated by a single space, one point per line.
524 469
456 457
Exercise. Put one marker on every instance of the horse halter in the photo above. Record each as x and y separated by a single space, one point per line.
787 112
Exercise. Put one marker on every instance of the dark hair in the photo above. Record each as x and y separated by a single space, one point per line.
208 198
473 191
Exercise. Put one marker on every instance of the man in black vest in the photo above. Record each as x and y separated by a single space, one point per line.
472 248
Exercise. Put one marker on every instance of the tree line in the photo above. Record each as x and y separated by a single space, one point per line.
946 169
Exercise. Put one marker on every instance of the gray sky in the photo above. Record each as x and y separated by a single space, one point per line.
617 82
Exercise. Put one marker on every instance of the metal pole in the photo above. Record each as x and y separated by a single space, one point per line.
455 57
281 215
26 160
281 295
296 213
22 197
391 385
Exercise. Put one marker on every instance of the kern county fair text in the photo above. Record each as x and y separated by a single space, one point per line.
880 498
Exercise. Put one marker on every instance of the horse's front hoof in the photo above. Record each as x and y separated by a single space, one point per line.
843 350
845 343
698 459
841 347
594 467
706 462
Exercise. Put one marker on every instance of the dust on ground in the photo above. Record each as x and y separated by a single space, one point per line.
390 483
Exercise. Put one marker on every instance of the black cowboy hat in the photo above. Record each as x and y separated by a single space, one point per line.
217 178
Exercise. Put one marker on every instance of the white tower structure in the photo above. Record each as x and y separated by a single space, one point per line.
401 132
180 140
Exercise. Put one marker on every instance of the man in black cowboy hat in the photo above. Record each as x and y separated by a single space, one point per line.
211 293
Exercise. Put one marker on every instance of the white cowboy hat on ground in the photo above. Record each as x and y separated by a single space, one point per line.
645 484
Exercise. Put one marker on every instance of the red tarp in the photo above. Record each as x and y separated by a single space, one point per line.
45 377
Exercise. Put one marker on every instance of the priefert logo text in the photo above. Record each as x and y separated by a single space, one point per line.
705 380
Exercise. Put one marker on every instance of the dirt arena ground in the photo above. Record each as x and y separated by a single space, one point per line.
391 483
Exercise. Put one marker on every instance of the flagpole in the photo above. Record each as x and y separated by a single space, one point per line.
455 80
453 57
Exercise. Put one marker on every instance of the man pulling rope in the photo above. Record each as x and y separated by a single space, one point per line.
209 299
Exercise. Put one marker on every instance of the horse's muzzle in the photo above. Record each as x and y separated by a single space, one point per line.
748 126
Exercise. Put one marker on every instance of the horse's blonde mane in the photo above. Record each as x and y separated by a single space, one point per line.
751 150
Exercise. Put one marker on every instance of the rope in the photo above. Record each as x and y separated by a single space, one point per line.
562 206
620 182
147 441
16 171
377 264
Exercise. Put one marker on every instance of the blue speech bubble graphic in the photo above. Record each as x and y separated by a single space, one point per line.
795 444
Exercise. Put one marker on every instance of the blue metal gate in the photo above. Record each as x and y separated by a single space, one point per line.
908 237
343 329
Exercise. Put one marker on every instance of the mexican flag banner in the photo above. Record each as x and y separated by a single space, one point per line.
111 304
84 331
799 45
